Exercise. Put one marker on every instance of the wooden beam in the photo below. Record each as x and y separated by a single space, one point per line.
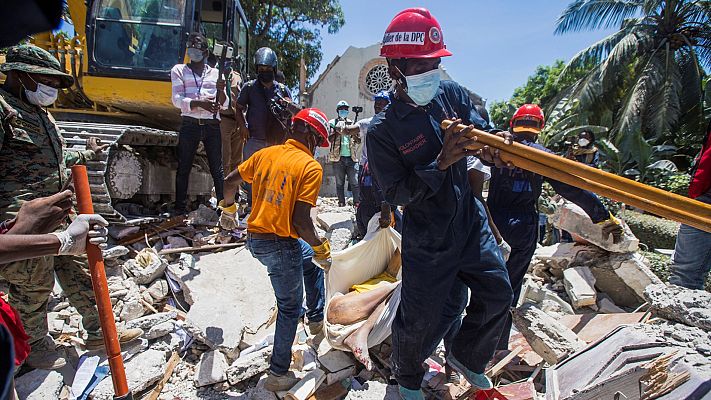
493 371
201 248
172 363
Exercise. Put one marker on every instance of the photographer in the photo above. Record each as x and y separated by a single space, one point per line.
344 153
262 127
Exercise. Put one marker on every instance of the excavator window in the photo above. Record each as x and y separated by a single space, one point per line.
144 34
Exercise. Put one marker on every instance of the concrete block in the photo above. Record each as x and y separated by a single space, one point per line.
675 303
549 338
162 329
336 360
211 369
146 267
114 252
142 371
248 366
580 285
340 238
624 277
159 289
334 220
39 385
147 322
229 293
131 310
605 305
573 219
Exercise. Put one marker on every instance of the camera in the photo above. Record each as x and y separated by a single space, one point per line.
357 109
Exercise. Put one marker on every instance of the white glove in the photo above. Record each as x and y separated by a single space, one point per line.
505 249
72 242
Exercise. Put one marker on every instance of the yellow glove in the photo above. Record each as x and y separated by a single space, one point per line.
612 226
228 218
322 254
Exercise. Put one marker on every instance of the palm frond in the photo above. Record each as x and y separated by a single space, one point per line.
664 108
634 44
596 14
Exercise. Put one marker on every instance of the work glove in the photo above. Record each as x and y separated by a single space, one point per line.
322 254
612 226
228 218
72 242
505 249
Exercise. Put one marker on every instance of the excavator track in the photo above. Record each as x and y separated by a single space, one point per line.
136 171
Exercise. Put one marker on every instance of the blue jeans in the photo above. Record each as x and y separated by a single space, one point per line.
692 256
290 272
191 134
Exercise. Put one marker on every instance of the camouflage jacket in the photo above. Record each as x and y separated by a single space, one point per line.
33 157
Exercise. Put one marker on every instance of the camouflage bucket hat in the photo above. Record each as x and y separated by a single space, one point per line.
34 60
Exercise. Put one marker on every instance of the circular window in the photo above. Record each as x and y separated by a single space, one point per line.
374 77
378 79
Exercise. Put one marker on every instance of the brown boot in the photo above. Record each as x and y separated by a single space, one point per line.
45 355
276 383
95 342
315 328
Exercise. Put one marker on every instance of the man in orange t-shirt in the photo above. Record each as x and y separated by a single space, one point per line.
286 180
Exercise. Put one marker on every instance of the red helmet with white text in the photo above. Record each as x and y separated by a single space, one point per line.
528 118
414 33
317 120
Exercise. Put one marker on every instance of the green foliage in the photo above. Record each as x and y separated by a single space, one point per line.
654 232
541 88
648 74
292 28
660 265
675 183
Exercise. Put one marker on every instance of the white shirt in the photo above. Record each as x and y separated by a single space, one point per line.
363 125
188 86
475 163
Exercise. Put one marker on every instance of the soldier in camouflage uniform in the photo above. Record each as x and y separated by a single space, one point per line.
33 163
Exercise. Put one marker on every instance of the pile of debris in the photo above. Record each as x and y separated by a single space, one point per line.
592 321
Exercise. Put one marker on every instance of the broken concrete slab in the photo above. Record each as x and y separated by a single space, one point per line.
373 390
248 366
580 285
607 306
162 329
334 220
547 300
131 310
229 292
142 371
340 238
147 322
211 369
159 290
549 338
146 267
39 385
336 360
573 219
624 277
114 252
593 327
676 303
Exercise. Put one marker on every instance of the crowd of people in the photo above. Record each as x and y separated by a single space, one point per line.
459 250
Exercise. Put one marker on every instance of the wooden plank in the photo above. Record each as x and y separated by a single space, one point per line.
501 364
172 363
181 314
201 248
593 327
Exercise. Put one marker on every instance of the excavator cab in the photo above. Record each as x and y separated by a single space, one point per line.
144 39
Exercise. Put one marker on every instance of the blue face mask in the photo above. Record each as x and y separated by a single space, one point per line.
422 88
342 114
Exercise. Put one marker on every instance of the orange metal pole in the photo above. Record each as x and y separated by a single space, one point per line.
101 290
593 174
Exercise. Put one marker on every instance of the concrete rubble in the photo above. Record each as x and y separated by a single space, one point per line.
215 310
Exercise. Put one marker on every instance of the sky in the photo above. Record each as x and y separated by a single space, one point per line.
497 44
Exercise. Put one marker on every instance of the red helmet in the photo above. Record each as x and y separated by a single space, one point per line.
317 120
414 33
528 118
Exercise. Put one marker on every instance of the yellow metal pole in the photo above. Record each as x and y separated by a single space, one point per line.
592 174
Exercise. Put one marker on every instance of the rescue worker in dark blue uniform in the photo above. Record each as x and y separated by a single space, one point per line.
513 195
447 245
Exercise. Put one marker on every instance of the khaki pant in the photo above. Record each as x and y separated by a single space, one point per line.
31 282
232 144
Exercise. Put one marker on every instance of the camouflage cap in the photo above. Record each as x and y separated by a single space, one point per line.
32 59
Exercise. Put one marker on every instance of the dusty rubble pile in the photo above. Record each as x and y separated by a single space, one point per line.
591 317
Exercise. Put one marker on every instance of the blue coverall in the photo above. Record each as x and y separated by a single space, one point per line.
513 197
447 245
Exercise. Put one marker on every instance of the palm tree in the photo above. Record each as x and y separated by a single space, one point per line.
649 73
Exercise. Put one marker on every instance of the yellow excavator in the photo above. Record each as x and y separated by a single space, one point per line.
121 57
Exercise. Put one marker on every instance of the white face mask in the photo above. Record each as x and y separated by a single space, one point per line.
43 96
422 88
583 142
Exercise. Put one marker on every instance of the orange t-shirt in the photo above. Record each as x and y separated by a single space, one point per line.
280 176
